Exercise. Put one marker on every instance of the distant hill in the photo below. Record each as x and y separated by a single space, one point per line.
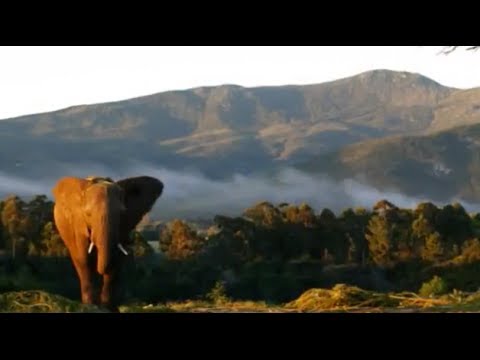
440 165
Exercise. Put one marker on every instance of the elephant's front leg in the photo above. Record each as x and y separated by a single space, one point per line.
86 281
107 298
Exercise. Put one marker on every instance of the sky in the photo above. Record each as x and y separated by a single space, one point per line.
41 79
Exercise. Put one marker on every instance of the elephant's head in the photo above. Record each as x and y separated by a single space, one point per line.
100 213
104 211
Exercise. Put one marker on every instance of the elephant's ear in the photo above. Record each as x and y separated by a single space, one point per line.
140 196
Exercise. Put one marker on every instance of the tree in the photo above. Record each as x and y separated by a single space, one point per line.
231 241
449 49
51 243
327 216
379 240
428 210
433 250
2 231
353 225
421 230
471 251
40 212
353 253
455 225
14 222
302 214
178 241
140 246
264 214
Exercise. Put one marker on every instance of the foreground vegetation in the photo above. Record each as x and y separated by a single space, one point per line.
265 259
341 298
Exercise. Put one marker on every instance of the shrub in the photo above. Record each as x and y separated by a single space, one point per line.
218 294
436 286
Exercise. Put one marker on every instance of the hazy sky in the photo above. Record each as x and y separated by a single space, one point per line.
38 79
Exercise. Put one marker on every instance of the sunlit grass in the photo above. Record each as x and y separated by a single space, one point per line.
340 298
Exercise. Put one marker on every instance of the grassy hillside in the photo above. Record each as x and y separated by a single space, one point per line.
439 165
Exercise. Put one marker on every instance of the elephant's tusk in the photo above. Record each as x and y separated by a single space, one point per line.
122 249
90 248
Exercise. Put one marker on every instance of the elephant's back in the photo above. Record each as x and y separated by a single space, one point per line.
68 189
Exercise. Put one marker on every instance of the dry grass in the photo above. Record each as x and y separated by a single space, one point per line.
341 298
41 302
228 306
205 306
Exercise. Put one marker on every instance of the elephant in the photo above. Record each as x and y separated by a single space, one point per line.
94 217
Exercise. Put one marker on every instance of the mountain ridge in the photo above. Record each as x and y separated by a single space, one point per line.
233 85
230 129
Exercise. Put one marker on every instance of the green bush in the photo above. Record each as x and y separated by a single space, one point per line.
218 294
436 286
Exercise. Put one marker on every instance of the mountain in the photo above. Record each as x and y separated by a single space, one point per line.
361 125
226 129
438 166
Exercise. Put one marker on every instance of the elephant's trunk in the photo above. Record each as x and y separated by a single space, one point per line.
104 239
103 262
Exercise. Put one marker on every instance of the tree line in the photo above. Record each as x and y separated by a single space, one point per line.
383 237
270 252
